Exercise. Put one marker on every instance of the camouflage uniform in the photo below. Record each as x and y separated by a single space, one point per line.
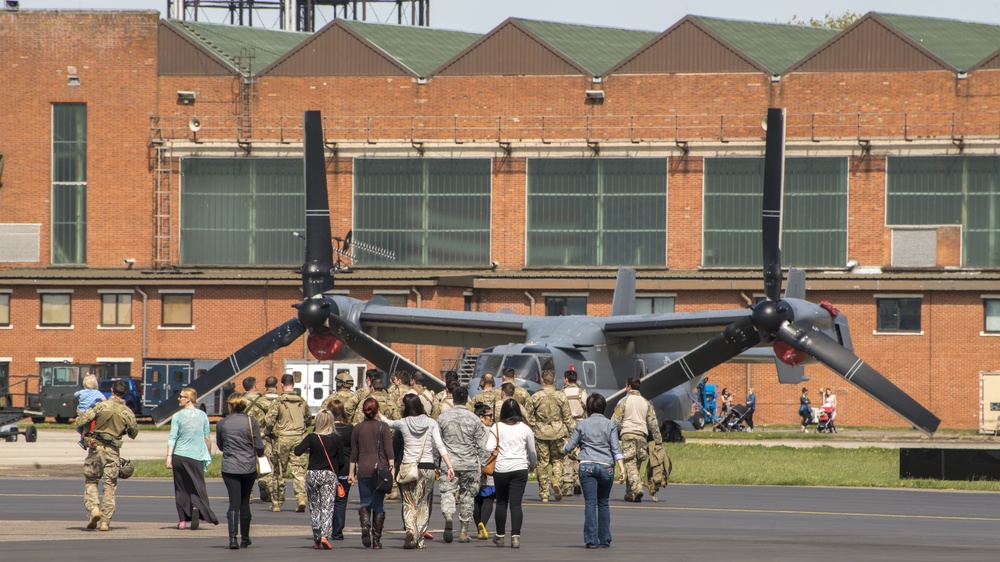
386 406
658 470
636 422
287 418
488 397
464 435
257 405
577 398
396 392
343 394
427 398
521 395
112 420
549 416
353 405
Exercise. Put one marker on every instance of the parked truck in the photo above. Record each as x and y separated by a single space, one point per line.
315 380
163 379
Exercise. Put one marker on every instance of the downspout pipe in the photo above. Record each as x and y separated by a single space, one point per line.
531 306
145 322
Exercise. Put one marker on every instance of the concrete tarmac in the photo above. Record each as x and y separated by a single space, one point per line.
42 517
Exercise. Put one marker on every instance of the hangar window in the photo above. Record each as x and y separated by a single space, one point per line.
242 211
898 314
949 190
565 306
814 212
654 305
991 315
424 211
56 309
69 183
116 309
4 309
176 309
597 211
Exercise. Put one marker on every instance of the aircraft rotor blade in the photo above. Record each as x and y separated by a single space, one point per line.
317 272
735 339
857 372
774 177
233 365
378 353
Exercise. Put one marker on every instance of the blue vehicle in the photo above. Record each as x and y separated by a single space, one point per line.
705 404
133 393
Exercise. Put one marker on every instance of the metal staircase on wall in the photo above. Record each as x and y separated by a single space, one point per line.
464 364
163 180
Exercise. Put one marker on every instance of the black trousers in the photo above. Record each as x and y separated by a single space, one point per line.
482 508
510 492
189 489
239 486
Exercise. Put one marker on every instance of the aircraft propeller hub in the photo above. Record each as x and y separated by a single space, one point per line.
768 316
313 313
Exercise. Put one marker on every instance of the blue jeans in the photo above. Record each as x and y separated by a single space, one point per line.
596 481
370 498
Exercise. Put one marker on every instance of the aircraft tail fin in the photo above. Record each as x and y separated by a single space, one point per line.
623 303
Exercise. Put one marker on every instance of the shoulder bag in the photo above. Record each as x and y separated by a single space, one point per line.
410 471
491 463
340 487
263 464
381 478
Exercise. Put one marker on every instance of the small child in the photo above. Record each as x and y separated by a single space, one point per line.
87 398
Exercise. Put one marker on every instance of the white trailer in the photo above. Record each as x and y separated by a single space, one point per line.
315 380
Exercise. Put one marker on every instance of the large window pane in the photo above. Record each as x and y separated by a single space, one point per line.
4 309
55 309
991 313
116 310
814 212
69 183
242 211
422 211
176 310
565 306
587 211
899 314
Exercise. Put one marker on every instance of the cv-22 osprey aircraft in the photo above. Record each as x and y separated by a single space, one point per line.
670 352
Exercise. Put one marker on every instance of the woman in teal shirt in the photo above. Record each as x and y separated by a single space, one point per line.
188 455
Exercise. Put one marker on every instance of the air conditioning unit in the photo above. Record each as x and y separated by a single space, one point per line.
595 94
185 98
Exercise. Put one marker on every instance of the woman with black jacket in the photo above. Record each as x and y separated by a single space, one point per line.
344 430
326 454
238 437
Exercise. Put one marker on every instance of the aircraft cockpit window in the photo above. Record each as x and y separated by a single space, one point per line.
525 366
488 363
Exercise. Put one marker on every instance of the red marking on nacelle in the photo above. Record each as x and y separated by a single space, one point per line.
788 354
324 347
827 306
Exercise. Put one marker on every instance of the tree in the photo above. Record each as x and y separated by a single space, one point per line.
829 21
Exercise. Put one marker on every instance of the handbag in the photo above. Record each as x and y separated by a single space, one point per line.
381 478
340 487
410 471
491 463
263 464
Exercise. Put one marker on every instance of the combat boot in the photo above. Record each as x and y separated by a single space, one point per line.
449 529
265 492
498 540
365 513
245 531
557 490
515 541
378 521
233 518
463 533
95 518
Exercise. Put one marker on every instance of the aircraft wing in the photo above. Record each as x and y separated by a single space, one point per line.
443 327
678 331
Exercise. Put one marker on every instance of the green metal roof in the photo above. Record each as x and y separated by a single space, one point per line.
959 43
419 48
775 46
230 41
595 48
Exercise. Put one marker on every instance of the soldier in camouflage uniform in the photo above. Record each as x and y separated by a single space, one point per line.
577 398
399 387
286 419
637 424
520 394
345 389
257 405
464 436
443 398
488 395
427 398
549 416
103 426
352 408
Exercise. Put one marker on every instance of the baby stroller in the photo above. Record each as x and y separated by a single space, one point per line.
824 421
733 421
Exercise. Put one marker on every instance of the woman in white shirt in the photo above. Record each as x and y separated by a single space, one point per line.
516 459
421 437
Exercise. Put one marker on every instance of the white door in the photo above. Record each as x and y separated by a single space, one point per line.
989 393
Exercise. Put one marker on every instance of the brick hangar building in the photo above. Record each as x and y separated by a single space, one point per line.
151 179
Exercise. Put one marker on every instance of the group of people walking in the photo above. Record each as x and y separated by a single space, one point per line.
402 441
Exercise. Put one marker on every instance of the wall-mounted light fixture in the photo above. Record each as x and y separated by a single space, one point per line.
129 262
185 97
595 95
